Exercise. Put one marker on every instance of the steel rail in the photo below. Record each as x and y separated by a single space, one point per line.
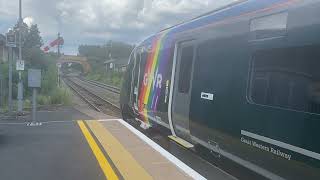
78 87
83 97
108 87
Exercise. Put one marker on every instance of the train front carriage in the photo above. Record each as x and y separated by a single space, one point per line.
242 81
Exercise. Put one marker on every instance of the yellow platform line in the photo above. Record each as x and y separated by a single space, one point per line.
128 167
103 162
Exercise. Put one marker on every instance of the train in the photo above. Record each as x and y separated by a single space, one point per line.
242 81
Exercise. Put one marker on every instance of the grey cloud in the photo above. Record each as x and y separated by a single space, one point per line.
96 21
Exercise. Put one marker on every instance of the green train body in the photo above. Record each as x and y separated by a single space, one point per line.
243 81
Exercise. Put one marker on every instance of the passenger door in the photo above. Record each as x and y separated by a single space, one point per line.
182 88
212 97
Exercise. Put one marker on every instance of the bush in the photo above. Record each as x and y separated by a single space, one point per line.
49 80
43 100
112 78
55 97
61 96
27 103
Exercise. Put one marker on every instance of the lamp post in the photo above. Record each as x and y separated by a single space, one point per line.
10 43
20 85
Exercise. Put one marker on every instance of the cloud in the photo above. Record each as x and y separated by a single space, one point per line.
97 21
28 20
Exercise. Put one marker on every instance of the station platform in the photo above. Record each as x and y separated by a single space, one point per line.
79 143
129 154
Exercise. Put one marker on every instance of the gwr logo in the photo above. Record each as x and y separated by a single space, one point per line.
156 80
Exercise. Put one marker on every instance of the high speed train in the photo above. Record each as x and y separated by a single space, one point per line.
242 81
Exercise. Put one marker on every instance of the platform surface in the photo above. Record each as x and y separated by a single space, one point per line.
132 155
70 144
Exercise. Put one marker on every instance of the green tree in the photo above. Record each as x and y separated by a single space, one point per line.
24 31
32 53
117 49
35 58
33 38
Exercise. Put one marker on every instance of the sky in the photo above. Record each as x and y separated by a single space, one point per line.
95 22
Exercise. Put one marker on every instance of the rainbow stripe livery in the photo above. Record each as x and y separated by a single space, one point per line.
152 84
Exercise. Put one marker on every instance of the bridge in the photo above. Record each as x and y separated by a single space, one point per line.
76 59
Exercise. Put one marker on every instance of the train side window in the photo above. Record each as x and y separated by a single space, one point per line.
287 78
185 69
271 26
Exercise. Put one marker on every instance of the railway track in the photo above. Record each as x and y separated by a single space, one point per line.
102 85
94 97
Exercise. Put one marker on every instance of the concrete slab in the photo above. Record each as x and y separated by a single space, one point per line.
54 150
159 162
158 166
58 150
51 151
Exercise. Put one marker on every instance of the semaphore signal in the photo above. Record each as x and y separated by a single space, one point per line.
57 42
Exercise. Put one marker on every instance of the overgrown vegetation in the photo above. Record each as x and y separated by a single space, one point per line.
97 55
60 95
50 93
113 78
116 49
35 58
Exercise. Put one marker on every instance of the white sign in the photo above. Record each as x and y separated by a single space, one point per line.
59 65
10 39
20 65
207 96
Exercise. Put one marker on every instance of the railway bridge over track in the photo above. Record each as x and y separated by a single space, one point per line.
83 61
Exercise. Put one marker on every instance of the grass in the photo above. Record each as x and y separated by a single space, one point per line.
112 78
58 96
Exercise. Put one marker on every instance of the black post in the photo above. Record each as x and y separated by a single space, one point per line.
34 105
10 80
1 88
